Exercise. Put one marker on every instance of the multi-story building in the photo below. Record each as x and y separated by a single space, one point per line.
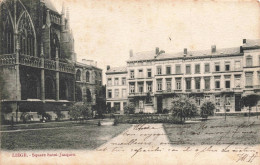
222 76
38 66
116 90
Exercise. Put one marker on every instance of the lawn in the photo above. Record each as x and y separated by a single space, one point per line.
85 136
235 130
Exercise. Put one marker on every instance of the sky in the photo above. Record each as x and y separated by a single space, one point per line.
105 30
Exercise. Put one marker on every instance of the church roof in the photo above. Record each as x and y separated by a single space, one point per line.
49 5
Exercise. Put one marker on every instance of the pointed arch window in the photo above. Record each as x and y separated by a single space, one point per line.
55 45
26 35
7 32
78 75
87 76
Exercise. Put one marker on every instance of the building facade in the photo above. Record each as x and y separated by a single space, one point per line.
38 64
116 89
222 76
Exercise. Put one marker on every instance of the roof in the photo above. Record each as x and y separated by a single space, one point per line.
252 43
149 55
49 5
117 70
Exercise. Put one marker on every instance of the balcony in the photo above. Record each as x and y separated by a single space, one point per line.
7 59
227 90
256 87
168 91
32 61
197 90
218 89
139 94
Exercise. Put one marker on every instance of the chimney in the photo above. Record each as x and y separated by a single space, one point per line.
156 50
213 49
108 67
185 52
131 53
241 49
244 41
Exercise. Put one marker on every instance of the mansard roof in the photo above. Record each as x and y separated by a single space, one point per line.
117 70
150 55
252 44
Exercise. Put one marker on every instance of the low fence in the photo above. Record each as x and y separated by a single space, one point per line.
147 118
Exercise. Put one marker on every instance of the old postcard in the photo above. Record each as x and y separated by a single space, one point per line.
130 82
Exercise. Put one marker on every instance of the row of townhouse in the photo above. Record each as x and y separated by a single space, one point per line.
222 76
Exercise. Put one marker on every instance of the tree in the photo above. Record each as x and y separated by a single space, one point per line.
129 109
250 101
183 107
207 109
75 111
58 111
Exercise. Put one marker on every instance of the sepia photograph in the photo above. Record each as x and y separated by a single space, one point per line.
130 82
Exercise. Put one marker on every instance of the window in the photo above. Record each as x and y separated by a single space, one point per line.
116 81
198 101
188 83
207 70
159 70
237 65
149 86
132 88
116 93
140 73
249 79
207 83
159 85
197 68
227 84
227 66
178 83
258 76
217 67
109 82
178 69
124 93
188 69
168 69
109 93
141 87
228 100
78 75
217 100
217 84
249 61
123 81
197 83
132 74
237 81
149 73
169 85
87 76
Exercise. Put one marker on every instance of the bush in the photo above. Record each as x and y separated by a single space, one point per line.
183 107
165 111
25 117
115 121
129 109
207 109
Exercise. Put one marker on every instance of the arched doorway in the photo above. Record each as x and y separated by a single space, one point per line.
49 88
33 87
64 93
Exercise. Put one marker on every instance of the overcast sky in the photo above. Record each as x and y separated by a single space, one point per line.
105 31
